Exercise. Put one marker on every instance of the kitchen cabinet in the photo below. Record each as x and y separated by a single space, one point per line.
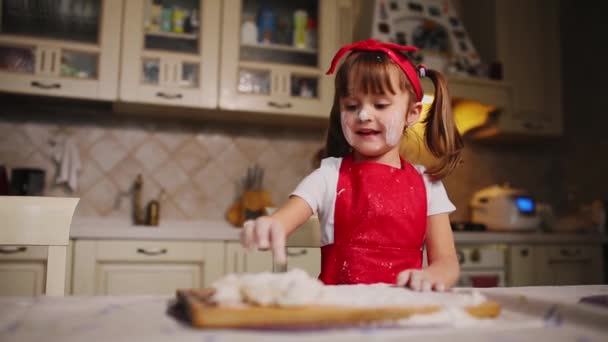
524 37
170 52
240 260
69 49
563 264
114 267
571 265
521 265
23 270
275 53
305 258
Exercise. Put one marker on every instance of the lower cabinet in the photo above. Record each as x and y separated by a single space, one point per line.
107 267
571 265
23 270
566 264
240 260
305 258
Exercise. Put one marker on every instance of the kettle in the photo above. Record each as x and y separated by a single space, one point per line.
27 181
503 208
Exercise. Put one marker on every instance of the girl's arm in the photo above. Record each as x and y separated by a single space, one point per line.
443 269
271 231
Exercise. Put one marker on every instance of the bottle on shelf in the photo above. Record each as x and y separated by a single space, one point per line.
300 19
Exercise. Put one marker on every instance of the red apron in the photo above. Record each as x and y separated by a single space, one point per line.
379 224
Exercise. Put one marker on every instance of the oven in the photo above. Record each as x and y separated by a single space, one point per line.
481 265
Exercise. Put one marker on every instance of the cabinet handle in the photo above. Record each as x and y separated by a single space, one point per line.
279 105
530 125
45 86
4 250
169 96
298 253
567 253
524 252
146 252
53 53
42 60
569 261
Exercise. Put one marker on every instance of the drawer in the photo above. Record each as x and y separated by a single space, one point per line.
23 252
150 251
569 252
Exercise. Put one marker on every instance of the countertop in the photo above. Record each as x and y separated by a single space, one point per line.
111 228
529 314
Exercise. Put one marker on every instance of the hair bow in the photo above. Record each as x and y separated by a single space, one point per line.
392 51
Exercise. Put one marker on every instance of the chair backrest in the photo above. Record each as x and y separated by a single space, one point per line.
40 221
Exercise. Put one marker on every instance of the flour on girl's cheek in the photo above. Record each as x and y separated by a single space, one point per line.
393 126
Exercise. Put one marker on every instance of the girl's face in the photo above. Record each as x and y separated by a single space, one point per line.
374 123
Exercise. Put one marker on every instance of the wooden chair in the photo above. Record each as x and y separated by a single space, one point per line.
40 221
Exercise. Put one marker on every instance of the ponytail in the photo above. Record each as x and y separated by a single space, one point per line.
440 134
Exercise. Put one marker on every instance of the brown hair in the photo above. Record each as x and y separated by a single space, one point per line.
369 72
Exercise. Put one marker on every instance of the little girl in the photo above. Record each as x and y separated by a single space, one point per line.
377 211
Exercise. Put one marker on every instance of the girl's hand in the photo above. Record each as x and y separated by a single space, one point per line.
419 280
265 233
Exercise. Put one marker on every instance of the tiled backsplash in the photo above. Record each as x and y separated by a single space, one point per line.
199 166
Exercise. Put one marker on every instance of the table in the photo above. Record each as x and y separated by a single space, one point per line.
530 314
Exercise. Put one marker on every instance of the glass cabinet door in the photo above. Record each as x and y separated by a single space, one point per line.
172 25
170 52
17 58
276 31
69 20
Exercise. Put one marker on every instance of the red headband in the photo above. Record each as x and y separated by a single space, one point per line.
392 50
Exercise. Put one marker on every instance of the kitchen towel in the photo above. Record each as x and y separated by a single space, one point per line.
67 156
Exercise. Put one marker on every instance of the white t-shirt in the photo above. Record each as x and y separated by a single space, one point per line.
319 190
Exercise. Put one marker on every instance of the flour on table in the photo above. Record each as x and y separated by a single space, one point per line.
296 287
293 288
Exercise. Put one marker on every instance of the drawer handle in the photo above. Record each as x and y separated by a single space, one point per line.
568 253
169 96
45 86
279 105
532 126
298 253
4 250
146 252
569 261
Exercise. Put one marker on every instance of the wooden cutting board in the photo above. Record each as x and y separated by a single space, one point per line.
194 304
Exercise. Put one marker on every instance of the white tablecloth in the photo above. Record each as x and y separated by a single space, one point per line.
536 314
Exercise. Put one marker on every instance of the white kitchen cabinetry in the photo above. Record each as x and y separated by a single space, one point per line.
521 267
274 62
307 259
112 267
566 264
23 270
69 50
524 37
170 52
240 260
571 265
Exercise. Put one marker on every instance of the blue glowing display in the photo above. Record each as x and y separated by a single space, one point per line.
525 204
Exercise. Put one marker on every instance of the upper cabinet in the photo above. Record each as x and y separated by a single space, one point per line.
524 37
60 48
170 52
275 54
